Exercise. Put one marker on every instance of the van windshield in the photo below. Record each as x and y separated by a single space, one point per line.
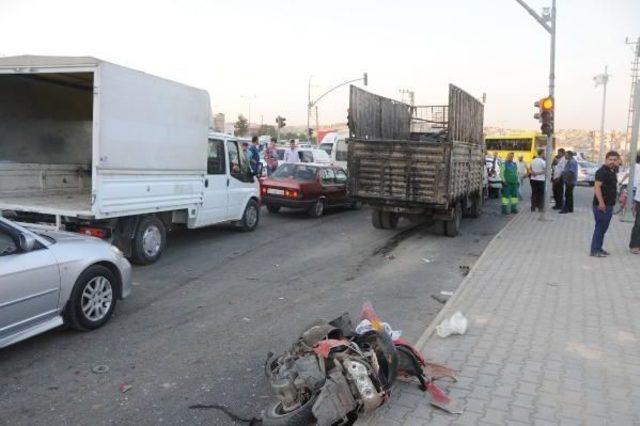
299 172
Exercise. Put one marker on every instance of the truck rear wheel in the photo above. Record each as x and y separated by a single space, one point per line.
389 220
475 211
452 226
376 218
149 240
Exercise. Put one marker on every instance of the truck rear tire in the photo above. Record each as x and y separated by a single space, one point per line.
389 220
376 218
149 240
475 211
452 227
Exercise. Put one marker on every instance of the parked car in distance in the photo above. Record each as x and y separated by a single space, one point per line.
306 186
493 173
50 278
587 173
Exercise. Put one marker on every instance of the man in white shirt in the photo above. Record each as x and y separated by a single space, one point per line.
291 155
634 244
558 183
538 169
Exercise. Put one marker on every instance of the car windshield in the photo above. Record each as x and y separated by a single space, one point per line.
299 172
586 164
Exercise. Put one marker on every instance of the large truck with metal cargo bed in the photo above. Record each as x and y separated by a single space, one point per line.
418 162
93 147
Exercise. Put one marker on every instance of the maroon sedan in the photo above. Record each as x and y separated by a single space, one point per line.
310 187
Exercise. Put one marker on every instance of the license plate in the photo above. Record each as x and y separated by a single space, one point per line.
275 191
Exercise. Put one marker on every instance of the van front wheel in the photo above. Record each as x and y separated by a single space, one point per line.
251 216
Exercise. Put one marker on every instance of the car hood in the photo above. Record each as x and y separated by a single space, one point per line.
65 237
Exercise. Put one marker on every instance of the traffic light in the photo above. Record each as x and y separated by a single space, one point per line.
310 132
545 114
281 122
366 79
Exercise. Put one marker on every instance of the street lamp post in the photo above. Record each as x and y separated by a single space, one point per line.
249 99
602 79
311 104
633 152
548 22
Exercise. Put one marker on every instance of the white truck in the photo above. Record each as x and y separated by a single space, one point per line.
96 148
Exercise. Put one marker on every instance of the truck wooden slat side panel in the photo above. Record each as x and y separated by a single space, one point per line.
405 160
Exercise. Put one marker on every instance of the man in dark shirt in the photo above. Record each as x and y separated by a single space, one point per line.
605 189
570 179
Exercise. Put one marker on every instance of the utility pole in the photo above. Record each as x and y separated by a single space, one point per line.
309 107
602 79
633 151
317 125
548 22
635 76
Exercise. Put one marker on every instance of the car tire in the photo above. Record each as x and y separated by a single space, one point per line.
303 415
376 218
273 209
317 209
96 287
149 240
452 226
250 217
390 220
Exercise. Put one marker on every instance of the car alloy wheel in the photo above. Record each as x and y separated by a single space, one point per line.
97 298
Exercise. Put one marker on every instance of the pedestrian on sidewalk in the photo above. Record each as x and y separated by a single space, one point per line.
538 169
291 155
522 173
271 157
634 244
570 179
254 155
605 188
558 185
510 185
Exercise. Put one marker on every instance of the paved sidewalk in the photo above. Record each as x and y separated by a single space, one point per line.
553 333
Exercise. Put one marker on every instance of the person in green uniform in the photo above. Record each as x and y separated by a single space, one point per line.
510 185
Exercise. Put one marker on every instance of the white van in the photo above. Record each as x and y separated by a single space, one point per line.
92 147
335 144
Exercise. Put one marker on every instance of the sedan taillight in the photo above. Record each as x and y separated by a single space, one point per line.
291 193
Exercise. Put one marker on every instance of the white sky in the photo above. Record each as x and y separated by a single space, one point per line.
266 50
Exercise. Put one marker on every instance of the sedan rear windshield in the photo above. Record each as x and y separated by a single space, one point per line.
299 172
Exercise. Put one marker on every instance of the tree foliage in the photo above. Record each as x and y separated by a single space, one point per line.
241 126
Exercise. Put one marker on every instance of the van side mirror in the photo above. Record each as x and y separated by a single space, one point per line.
26 242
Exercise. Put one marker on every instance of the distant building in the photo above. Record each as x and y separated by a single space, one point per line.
218 122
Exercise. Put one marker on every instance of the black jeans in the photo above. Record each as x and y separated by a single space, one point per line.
558 190
568 198
635 232
537 194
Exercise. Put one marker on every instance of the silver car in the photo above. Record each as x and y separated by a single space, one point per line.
50 278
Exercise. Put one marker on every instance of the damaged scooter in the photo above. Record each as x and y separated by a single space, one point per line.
335 372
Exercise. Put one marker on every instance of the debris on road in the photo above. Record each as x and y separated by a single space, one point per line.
457 324
425 260
389 257
440 298
465 270
124 388
100 369
335 372
245 319
446 293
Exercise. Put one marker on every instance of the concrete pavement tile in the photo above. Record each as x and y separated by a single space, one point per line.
494 416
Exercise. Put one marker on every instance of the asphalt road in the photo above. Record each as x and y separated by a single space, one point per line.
198 326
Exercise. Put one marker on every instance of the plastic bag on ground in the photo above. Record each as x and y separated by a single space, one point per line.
457 324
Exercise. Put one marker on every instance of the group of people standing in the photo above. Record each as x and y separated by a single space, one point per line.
564 180
252 154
